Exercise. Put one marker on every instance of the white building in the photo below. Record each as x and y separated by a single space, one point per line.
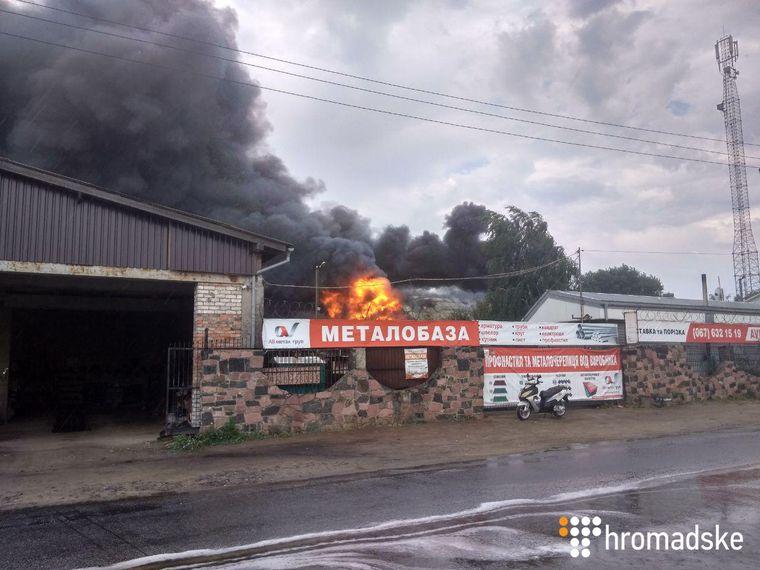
565 306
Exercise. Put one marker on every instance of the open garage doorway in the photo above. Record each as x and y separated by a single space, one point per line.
90 352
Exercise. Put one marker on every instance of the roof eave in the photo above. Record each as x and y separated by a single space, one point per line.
567 296
537 304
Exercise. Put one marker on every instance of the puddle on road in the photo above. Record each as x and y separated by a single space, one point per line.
524 533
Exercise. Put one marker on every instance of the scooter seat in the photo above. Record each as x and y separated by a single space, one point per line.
550 392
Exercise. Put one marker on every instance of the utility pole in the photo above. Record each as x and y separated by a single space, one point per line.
316 288
580 284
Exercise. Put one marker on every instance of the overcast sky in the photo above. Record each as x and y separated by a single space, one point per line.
649 64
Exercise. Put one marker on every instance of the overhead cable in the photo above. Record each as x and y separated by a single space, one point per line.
366 90
366 108
373 80
655 252
503 275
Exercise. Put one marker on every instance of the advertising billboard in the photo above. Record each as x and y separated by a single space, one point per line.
590 374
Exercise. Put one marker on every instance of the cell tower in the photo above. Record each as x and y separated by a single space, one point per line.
746 264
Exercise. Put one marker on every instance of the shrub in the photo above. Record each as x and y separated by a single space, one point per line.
228 433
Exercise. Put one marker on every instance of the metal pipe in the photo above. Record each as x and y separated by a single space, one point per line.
254 287
580 285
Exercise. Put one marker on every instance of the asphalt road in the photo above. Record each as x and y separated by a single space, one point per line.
495 513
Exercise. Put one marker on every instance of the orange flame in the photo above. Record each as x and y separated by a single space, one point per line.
367 298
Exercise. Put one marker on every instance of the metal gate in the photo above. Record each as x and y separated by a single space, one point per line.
387 366
179 387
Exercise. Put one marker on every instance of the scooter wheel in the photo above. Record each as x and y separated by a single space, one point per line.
523 412
559 410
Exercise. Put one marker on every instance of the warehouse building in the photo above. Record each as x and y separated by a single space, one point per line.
565 306
96 285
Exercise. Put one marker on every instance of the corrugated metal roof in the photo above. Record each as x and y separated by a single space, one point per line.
646 302
53 219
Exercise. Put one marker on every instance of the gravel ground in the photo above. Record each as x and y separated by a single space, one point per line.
116 461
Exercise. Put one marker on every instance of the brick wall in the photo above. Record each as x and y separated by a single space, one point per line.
234 386
663 370
218 308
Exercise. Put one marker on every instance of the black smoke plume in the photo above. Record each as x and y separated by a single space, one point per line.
458 254
168 137
186 141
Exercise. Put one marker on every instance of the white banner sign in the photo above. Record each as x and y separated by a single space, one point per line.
662 331
505 333
590 374
415 363
286 333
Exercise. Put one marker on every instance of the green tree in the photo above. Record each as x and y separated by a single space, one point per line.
517 241
622 279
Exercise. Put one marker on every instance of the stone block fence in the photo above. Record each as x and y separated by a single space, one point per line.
663 370
233 385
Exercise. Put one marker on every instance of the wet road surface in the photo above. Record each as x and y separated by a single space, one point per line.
498 513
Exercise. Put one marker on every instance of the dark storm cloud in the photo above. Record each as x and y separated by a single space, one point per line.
585 8
569 191
610 33
362 27
526 51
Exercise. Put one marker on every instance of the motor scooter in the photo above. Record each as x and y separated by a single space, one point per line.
531 400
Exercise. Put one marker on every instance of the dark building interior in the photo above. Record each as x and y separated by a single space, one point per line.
82 348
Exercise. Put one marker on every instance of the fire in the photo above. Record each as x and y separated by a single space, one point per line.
366 298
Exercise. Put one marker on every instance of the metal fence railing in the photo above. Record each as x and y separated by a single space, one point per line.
296 371
179 385
306 370
705 359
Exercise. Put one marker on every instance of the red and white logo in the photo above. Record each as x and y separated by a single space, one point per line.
282 331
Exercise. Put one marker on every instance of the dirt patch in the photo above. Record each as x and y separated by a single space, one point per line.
114 462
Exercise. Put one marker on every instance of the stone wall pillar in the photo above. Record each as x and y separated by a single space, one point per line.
359 359
258 310
218 309
248 326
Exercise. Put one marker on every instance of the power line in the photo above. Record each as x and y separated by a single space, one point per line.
515 273
366 108
365 90
630 251
376 81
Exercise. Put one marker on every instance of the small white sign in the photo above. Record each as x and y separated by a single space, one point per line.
631 327
415 363
506 333
286 333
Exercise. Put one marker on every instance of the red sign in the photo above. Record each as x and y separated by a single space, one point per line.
722 333
544 360
665 332
336 333
588 374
